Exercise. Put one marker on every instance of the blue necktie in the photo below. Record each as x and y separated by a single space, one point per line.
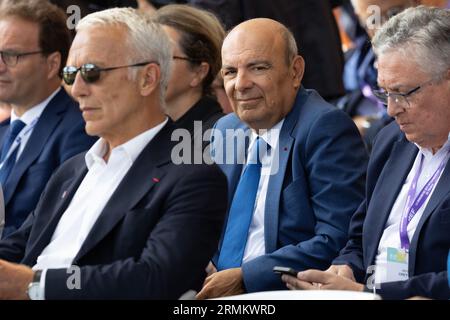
448 267
241 211
14 129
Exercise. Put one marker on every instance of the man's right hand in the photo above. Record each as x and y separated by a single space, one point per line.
342 270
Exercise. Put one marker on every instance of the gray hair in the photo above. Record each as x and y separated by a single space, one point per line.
421 32
146 39
291 45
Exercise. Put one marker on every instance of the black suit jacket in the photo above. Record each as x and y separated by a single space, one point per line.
153 239
58 135
198 121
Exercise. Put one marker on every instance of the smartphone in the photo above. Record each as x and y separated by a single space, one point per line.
285 270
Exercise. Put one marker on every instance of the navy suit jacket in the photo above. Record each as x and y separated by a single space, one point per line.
390 162
153 239
319 185
58 135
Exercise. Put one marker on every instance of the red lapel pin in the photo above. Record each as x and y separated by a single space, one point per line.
155 180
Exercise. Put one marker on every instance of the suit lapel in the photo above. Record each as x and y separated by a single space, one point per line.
49 119
221 151
274 189
4 126
68 189
393 176
440 192
147 170
231 170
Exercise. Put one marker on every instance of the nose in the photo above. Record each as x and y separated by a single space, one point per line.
394 107
242 81
79 87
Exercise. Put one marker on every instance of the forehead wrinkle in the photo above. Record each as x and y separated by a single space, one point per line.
12 34
245 56
94 48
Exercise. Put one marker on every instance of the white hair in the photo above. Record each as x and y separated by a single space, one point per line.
422 33
146 40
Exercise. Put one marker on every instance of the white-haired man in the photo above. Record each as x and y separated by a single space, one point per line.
121 219
402 226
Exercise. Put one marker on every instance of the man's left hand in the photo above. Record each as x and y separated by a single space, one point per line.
14 280
221 284
320 280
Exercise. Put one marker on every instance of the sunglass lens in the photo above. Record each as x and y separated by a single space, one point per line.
90 73
69 74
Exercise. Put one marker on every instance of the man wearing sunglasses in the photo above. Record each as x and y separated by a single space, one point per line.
122 219
401 231
45 127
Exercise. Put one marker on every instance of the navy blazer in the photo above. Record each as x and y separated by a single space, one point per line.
391 160
319 185
58 135
152 240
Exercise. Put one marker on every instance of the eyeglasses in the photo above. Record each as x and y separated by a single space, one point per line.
401 98
186 59
11 58
90 73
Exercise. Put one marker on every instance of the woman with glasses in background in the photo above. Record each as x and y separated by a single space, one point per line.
197 37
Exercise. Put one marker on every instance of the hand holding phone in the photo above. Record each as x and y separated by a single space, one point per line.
285 270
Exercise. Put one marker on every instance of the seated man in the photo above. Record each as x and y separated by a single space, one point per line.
294 204
45 127
402 228
122 221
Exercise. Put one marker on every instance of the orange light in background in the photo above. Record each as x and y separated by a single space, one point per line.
345 39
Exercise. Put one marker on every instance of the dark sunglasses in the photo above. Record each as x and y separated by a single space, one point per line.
91 73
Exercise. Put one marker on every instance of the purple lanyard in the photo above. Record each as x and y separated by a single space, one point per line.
412 206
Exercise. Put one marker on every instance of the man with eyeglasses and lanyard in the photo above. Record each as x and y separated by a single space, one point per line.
46 127
122 220
401 230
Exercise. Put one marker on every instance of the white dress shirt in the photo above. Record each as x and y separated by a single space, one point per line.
30 118
90 199
391 234
255 246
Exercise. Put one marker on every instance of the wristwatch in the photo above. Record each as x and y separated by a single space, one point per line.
33 291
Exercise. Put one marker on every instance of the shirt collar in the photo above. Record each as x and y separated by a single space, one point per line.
130 149
427 152
270 136
35 111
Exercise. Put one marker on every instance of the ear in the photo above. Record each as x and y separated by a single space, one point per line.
201 72
149 79
53 65
297 71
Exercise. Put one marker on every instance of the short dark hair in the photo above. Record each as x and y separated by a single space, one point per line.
54 36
